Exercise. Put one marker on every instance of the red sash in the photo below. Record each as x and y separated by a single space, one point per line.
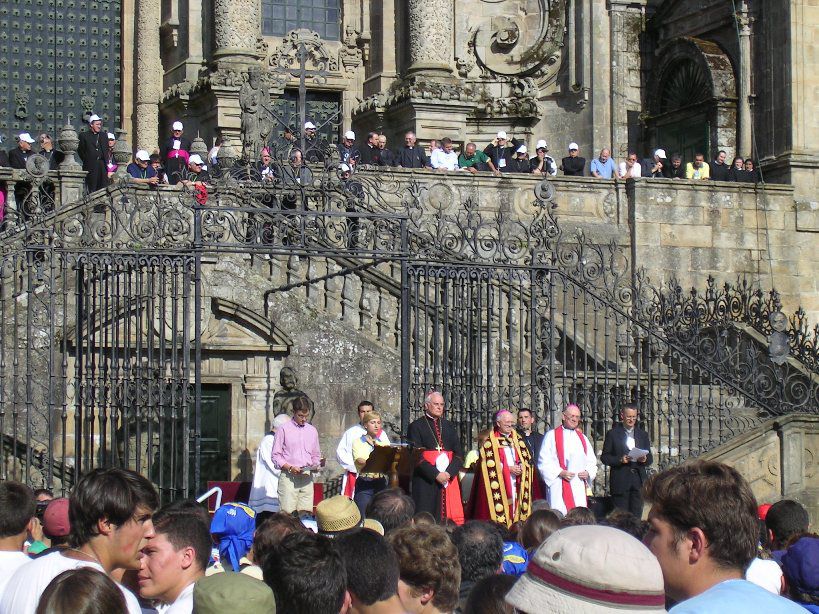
454 507
568 496
349 484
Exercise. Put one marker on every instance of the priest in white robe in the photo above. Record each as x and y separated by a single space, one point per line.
567 463
264 492
344 451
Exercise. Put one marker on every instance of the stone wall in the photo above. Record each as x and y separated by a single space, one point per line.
779 460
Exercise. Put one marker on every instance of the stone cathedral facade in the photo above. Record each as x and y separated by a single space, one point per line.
626 74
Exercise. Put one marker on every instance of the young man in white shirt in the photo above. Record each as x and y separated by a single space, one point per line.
444 159
17 515
110 511
174 559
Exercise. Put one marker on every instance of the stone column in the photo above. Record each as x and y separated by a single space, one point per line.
744 144
237 25
148 75
431 51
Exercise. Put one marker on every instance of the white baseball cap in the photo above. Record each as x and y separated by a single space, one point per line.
344 168
177 125
349 135
541 144
522 149
196 160
142 155
94 118
660 153
501 134
309 126
111 136
25 136
573 145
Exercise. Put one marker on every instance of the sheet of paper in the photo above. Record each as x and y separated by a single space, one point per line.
636 453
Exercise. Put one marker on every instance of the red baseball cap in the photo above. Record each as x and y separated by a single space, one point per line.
55 518
762 510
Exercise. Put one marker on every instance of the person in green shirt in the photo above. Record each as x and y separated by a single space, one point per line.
473 160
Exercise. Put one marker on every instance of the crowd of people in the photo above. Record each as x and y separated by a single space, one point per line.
705 546
173 162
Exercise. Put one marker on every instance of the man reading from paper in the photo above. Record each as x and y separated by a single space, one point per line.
502 490
567 463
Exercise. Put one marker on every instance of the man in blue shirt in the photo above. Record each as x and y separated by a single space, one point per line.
603 166
703 530
141 171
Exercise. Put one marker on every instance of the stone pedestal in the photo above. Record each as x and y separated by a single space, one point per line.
431 51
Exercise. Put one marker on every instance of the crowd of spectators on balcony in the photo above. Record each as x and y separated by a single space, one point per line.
173 160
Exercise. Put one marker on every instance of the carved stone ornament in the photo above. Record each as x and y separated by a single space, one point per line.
430 33
513 44
319 58
236 24
350 56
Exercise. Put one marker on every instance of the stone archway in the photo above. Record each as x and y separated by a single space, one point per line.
692 99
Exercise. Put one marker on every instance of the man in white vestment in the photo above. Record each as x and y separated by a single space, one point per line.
264 492
344 451
567 463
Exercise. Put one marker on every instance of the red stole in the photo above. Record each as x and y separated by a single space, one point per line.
349 484
453 507
568 495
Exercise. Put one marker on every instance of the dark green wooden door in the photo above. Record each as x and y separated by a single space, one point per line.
215 440
685 137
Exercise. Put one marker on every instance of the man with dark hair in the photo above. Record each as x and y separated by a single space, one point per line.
307 575
676 170
369 152
17 509
110 512
428 568
785 519
175 557
480 552
719 170
392 508
626 450
527 431
703 531
372 572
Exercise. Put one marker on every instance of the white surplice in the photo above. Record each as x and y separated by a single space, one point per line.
264 492
576 461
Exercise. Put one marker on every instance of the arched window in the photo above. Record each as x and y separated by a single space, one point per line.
322 16
685 84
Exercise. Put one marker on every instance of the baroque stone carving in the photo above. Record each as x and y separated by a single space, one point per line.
514 44
430 33
284 398
236 24
350 56
254 100
318 57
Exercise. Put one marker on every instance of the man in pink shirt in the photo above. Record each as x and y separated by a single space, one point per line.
296 453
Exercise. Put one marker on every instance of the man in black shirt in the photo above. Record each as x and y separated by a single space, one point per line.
719 170
677 170
411 155
501 151
18 157
369 153
347 150
573 164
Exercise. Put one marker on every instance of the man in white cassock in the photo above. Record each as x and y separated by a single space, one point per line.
344 451
567 463
264 492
